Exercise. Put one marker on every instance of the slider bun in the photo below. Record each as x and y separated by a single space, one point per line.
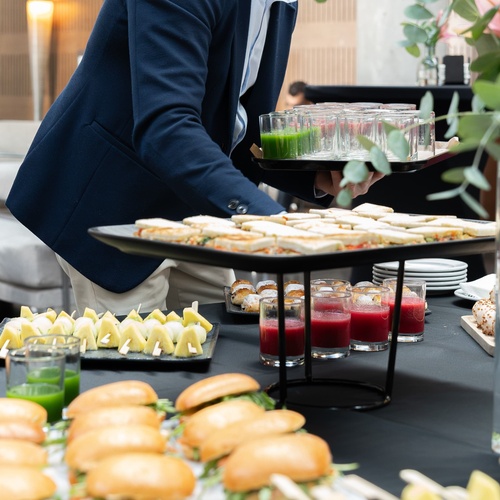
13 409
22 429
22 482
116 393
222 442
212 388
18 452
86 450
141 476
114 415
201 424
302 457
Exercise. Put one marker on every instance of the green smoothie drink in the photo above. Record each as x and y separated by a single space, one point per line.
50 396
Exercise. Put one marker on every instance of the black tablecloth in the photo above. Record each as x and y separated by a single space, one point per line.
439 420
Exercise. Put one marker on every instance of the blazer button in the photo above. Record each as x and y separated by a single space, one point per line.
233 204
241 209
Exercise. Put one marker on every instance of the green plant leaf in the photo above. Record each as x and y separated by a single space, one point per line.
466 9
379 161
398 144
426 105
469 144
475 177
453 175
488 92
415 33
355 171
418 12
474 126
474 204
452 129
453 109
444 195
344 198
493 147
481 24
413 50
477 104
486 62
365 142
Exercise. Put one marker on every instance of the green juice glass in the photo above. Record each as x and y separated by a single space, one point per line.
36 373
69 345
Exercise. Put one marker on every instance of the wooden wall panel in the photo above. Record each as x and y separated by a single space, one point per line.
73 21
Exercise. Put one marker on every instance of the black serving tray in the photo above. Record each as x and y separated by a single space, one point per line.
337 165
122 237
112 359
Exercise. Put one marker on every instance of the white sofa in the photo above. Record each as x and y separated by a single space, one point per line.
29 272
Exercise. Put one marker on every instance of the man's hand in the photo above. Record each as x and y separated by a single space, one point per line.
329 182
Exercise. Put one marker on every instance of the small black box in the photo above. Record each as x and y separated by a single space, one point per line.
454 74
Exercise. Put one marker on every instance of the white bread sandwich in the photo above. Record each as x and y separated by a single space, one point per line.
474 229
249 243
372 208
397 237
268 228
203 220
307 246
182 234
438 233
285 218
157 222
349 237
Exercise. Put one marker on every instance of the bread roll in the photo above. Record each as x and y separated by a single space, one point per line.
22 409
19 452
213 388
23 482
139 476
302 457
86 450
124 392
114 415
22 429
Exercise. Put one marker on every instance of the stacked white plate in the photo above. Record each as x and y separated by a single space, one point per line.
441 275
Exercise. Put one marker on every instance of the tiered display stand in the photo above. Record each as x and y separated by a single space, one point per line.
320 392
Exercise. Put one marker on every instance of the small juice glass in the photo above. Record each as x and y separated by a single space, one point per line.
294 331
370 314
37 374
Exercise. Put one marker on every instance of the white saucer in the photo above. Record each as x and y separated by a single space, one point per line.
426 265
460 293
428 278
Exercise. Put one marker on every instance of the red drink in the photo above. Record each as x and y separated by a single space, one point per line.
294 331
370 324
330 329
412 315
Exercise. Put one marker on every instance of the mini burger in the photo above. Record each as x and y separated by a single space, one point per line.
23 482
124 392
114 415
221 387
139 476
304 458
22 409
19 452
222 442
199 426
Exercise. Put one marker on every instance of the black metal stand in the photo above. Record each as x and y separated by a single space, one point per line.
337 394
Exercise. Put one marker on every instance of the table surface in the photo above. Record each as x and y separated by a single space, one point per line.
438 422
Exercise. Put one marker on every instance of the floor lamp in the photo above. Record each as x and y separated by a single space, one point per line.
39 13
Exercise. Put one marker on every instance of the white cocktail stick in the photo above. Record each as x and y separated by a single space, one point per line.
83 346
5 349
288 487
191 349
157 350
125 348
415 477
105 339
363 487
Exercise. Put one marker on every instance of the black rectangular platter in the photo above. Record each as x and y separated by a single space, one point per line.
112 359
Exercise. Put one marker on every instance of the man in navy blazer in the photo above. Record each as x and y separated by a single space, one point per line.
145 128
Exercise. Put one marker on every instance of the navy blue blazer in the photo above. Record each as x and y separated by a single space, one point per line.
144 128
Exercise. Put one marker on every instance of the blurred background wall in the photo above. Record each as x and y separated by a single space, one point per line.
340 42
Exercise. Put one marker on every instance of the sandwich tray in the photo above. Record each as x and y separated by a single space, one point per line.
122 237
303 164
112 359
487 342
